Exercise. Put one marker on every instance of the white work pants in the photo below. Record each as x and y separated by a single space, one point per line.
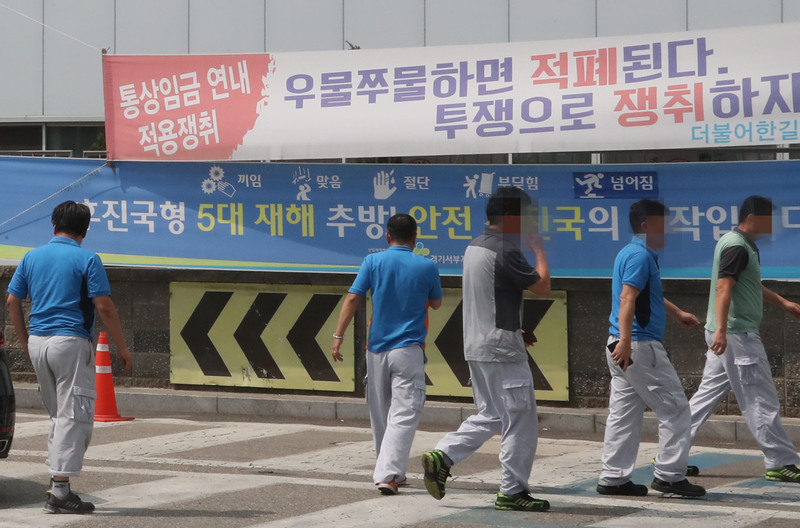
503 394
744 368
650 382
395 398
64 366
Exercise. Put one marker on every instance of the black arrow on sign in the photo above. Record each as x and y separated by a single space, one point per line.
533 312
195 333
450 343
303 335
248 335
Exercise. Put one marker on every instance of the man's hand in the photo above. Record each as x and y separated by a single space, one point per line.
125 357
720 342
622 354
687 320
534 241
529 338
337 356
792 309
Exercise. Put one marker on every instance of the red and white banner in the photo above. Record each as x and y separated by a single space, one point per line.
678 90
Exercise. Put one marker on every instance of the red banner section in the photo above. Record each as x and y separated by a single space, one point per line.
174 107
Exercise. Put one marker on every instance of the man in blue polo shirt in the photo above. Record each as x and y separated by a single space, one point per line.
641 372
403 285
66 283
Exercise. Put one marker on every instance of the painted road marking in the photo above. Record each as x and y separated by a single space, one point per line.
565 473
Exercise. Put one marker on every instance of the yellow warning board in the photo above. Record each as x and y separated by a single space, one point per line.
448 372
257 335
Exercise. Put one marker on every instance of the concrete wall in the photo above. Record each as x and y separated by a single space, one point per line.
142 298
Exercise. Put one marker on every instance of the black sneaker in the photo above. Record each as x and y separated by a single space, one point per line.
629 488
436 473
521 501
683 488
70 504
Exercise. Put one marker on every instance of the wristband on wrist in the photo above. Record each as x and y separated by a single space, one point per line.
338 336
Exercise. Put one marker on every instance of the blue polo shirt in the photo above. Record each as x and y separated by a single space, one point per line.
401 284
637 265
62 278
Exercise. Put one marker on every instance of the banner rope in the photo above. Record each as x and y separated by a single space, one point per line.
51 28
74 185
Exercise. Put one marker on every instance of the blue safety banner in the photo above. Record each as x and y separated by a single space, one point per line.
327 217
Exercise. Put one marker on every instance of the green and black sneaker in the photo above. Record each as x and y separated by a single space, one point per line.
788 473
521 501
436 472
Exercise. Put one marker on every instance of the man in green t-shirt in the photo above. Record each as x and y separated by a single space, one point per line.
736 358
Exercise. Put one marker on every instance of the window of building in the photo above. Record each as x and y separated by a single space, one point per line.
20 138
79 139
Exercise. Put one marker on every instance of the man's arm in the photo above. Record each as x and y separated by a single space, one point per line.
351 303
435 304
542 286
108 313
770 297
18 319
686 319
627 308
722 306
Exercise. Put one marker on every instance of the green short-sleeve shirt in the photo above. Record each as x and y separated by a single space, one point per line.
737 256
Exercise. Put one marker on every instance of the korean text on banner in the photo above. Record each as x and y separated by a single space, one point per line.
674 90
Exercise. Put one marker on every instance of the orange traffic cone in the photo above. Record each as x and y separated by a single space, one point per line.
105 408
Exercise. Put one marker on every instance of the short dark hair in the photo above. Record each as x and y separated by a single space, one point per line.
506 201
755 205
402 228
72 218
644 208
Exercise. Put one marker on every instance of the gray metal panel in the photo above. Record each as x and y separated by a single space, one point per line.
73 80
304 25
635 17
384 23
21 59
465 22
791 10
232 26
551 19
156 27
707 14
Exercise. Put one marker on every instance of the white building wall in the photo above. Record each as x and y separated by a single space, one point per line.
50 77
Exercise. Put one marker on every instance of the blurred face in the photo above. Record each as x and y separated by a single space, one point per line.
512 224
762 224
654 232
526 223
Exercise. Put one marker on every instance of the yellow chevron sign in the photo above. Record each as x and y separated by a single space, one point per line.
448 372
257 335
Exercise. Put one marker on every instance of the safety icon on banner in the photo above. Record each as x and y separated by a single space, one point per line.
215 182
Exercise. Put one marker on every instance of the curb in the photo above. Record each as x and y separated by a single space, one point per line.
552 419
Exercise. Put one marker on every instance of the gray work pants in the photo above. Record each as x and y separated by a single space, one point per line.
650 382
395 398
503 394
65 369
744 368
